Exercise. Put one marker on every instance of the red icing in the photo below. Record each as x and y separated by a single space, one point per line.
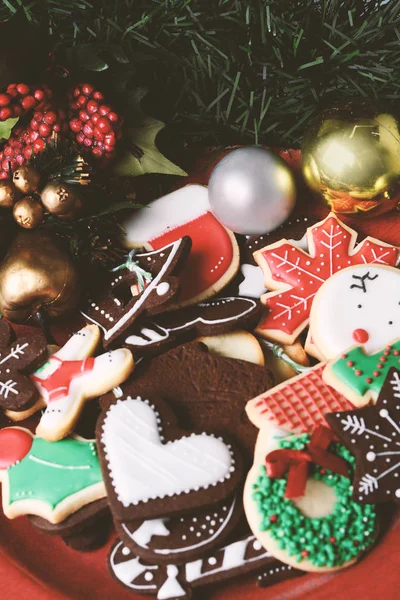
333 249
361 336
210 243
14 445
57 384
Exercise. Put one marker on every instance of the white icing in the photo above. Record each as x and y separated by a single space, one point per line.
142 467
168 212
74 348
143 297
130 570
163 288
153 527
171 588
340 309
253 283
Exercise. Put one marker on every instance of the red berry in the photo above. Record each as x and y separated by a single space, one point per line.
28 102
81 101
5 165
8 151
12 92
87 142
44 130
22 89
92 106
5 113
97 152
95 117
39 145
100 144
4 99
20 159
113 117
57 127
76 92
34 125
98 96
74 106
17 111
39 95
104 125
75 124
83 115
3 175
79 138
38 115
27 152
87 130
104 109
87 89
98 134
33 136
108 148
50 117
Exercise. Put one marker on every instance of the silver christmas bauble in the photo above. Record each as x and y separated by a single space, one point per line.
251 191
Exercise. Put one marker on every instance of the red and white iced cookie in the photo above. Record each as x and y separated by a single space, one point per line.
214 257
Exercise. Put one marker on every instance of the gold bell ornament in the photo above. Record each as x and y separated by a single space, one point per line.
351 158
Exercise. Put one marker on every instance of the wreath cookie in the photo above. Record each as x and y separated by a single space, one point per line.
321 530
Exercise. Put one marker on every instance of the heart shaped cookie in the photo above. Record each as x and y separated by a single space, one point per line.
152 469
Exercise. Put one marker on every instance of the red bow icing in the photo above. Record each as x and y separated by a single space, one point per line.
296 462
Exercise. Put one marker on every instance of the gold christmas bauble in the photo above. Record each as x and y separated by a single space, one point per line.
351 157
26 179
28 213
37 275
8 194
59 198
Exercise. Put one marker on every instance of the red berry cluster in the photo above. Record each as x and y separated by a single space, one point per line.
20 98
31 139
93 123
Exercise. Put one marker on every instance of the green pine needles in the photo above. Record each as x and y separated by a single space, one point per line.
225 71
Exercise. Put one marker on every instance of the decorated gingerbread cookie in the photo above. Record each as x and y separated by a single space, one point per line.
154 469
357 305
299 404
17 359
296 275
70 377
175 540
214 258
205 391
298 504
145 283
49 479
211 317
169 582
371 433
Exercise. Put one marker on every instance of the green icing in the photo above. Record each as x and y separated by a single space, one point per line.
327 541
52 471
371 366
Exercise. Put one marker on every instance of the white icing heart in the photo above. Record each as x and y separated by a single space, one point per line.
141 467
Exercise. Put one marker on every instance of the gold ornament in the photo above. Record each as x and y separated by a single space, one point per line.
8 194
37 275
74 213
59 198
28 213
26 179
351 157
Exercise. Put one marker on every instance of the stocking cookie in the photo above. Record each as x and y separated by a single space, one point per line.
211 317
214 258
175 540
296 276
168 582
358 305
154 469
371 434
145 283
49 479
298 504
17 358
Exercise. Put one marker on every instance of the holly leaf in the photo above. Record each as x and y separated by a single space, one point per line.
6 128
96 57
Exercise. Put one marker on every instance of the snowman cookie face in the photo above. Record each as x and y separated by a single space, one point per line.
359 305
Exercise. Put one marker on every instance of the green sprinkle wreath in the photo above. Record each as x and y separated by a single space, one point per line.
326 541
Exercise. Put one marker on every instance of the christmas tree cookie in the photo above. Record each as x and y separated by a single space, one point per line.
48 479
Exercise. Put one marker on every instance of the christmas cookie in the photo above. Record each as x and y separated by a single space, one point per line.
176 540
144 283
211 317
296 275
17 359
298 504
371 433
298 404
49 479
214 258
169 582
154 469
205 391
240 345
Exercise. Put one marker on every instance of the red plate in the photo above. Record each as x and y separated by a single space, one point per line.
41 567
